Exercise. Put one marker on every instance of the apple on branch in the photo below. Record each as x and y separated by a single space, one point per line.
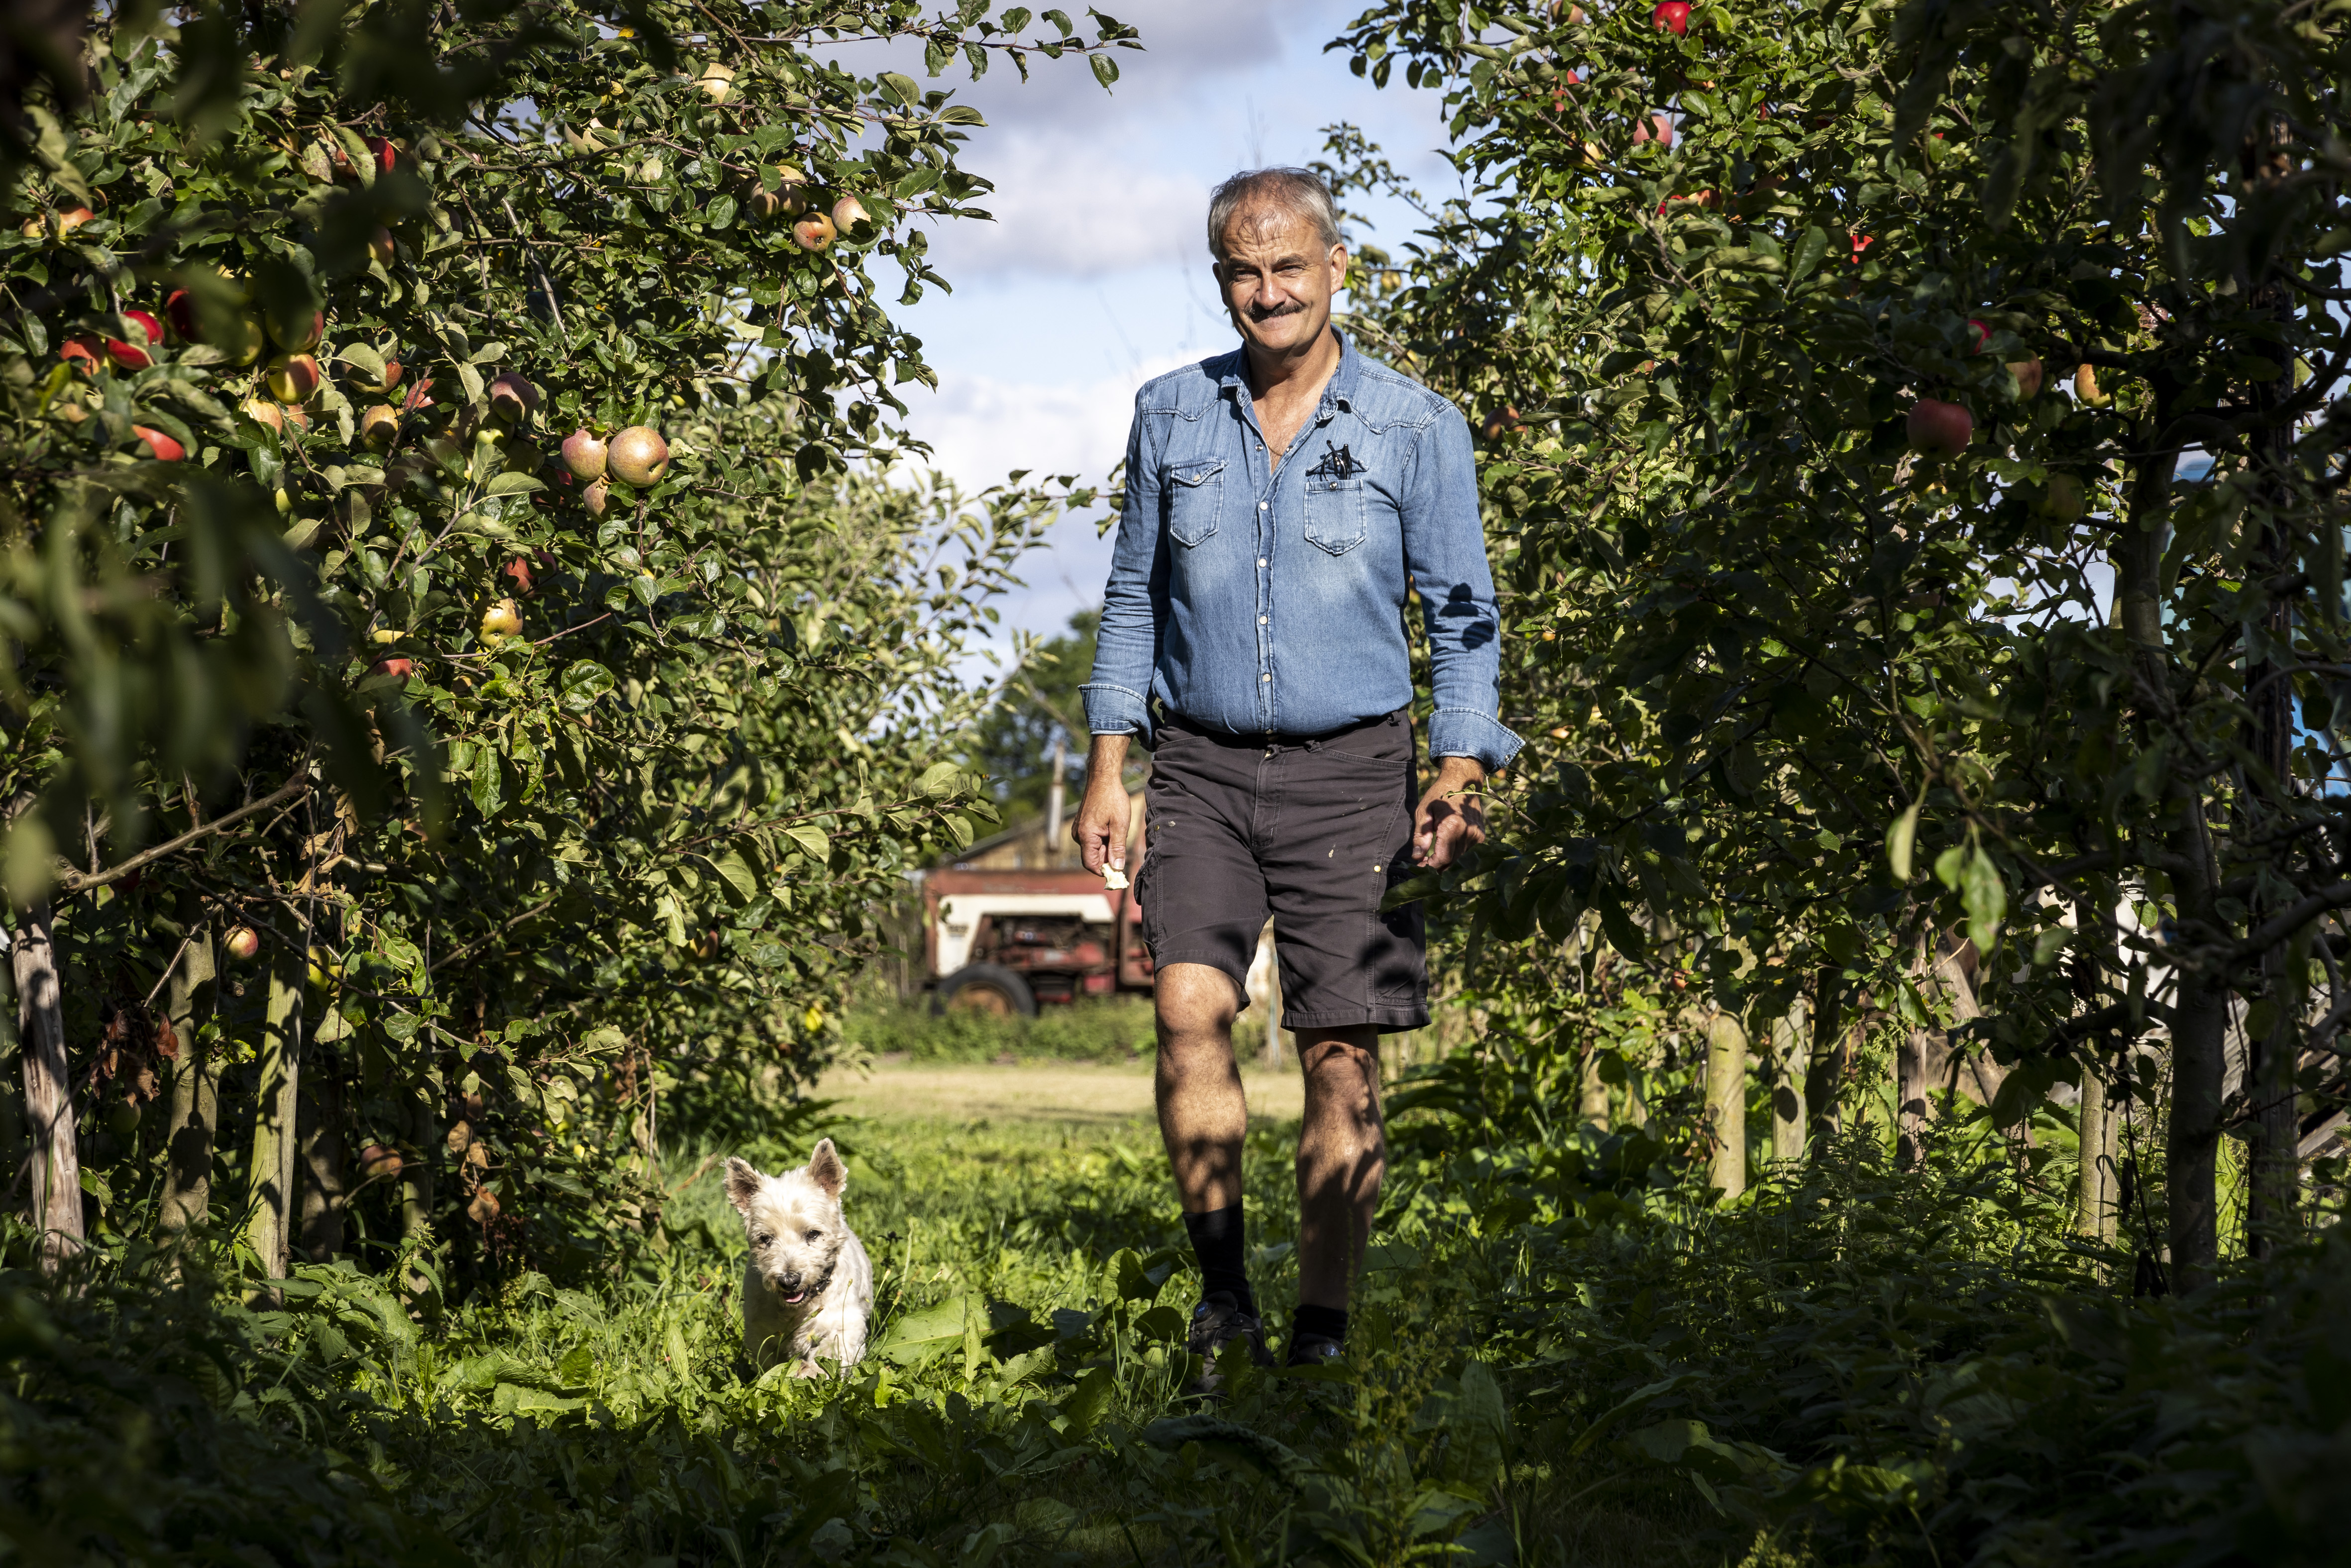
1939 429
638 457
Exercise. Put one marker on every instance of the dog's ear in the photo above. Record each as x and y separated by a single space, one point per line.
826 1170
742 1184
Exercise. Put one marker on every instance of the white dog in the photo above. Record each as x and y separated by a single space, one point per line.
808 1286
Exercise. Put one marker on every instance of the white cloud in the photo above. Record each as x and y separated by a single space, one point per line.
1071 206
982 426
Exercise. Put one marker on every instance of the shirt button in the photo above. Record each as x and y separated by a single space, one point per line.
1260 560
1265 678
1260 619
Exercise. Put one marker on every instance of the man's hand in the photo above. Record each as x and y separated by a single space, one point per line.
1451 816
1099 830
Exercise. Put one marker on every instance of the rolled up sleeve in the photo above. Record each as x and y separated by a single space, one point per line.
1126 643
1444 550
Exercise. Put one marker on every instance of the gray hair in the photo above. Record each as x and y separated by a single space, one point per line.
1297 192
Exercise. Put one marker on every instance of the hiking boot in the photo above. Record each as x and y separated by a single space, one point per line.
1217 1321
1313 1350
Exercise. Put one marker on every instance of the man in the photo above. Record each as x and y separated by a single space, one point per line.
1283 504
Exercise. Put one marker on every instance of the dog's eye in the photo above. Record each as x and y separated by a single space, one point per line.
815 1234
762 1238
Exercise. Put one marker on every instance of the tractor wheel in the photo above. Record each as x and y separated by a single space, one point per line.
985 988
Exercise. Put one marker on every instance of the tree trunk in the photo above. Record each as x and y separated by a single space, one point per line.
1726 1102
416 1191
1592 1096
1830 1053
2201 1006
48 1089
2094 1194
1789 1062
1910 1101
271 1200
12 1075
323 1162
193 1127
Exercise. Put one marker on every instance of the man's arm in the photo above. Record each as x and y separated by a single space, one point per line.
1100 826
1444 550
1126 641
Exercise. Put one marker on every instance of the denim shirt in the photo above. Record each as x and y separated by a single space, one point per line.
1256 603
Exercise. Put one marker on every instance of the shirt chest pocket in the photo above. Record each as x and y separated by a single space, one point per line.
1335 512
1195 492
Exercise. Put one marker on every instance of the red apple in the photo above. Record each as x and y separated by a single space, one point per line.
387 156
1657 128
639 455
393 666
813 232
380 248
847 213
584 455
595 497
501 619
2085 387
294 378
518 572
1672 16
513 398
379 427
243 943
181 307
1862 242
165 448
81 351
1980 333
1939 429
300 336
2030 377
378 1163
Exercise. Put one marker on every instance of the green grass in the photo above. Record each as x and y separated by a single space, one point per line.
1556 1358
1109 1029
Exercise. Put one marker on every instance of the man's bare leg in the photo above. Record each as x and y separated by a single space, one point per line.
1198 1086
1342 1158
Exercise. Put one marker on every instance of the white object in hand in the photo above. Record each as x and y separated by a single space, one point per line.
1113 878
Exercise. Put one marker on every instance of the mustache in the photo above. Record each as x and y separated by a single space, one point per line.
1261 313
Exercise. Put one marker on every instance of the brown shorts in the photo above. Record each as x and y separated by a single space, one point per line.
1312 831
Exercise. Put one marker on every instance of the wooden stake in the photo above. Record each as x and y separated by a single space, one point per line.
48 1089
270 1201
194 1124
1726 1102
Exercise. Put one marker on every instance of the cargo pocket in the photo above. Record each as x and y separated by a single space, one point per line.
1195 492
1334 513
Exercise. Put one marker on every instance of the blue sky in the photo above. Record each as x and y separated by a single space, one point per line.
1094 275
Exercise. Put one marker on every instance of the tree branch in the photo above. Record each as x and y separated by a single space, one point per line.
77 882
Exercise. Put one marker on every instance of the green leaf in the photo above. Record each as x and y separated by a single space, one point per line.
511 483
1901 840
811 841
918 1336
1984 892
941 780
488 780
1105 67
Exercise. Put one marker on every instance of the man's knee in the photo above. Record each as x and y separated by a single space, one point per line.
1353 1053
1193 1000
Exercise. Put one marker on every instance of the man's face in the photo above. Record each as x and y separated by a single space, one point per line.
1278 279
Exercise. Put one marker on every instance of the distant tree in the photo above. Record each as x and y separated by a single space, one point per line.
1013 742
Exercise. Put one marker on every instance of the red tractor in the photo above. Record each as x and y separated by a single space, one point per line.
1007 942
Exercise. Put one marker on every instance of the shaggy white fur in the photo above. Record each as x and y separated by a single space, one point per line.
808 1286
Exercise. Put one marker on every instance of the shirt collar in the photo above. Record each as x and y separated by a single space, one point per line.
1341 393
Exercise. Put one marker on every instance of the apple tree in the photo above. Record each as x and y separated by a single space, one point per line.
467 682
1915 444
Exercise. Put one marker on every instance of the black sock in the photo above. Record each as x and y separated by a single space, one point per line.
1330 1323
1216 1243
